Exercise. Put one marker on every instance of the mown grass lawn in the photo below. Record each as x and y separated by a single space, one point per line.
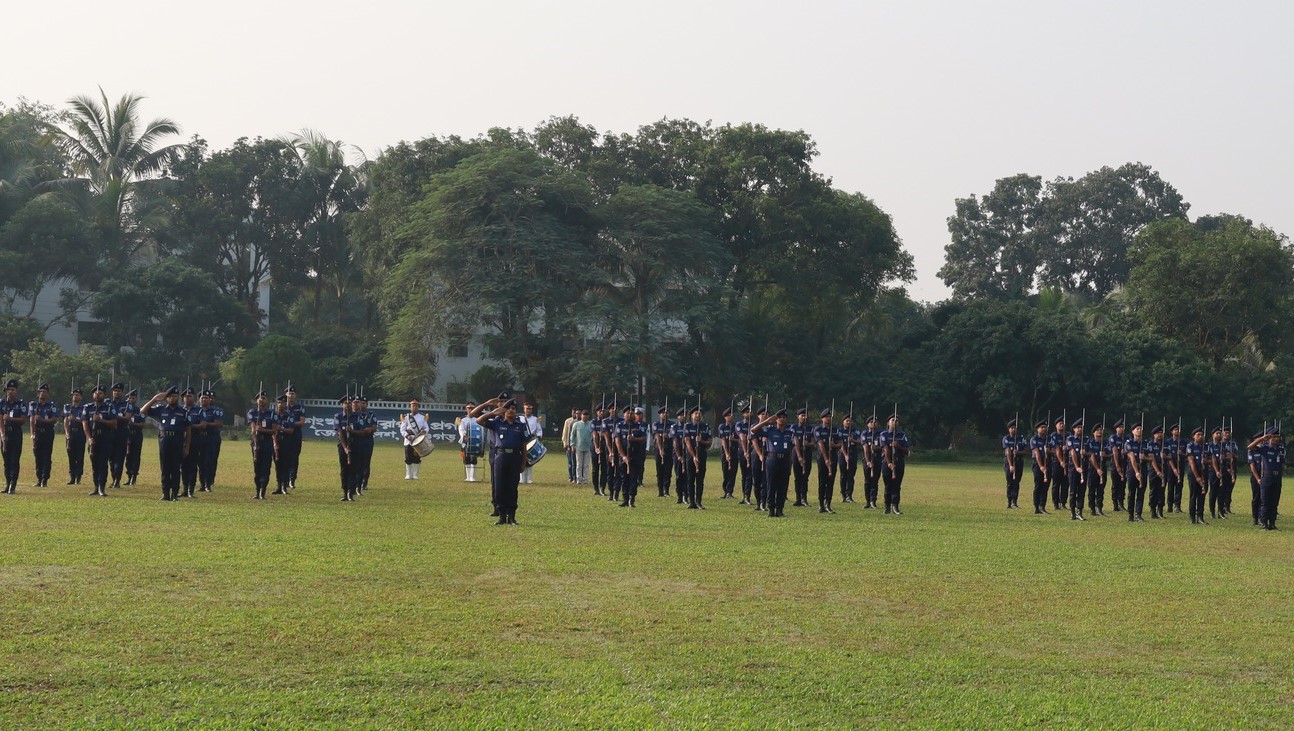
410 609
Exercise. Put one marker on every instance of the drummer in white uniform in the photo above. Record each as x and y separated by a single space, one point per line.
412 426
536 432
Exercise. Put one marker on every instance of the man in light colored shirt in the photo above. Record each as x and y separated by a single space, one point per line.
536 431
566 444
412 426
581 445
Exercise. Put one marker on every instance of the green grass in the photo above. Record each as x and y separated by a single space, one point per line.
410 609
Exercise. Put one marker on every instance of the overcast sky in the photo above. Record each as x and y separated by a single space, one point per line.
912 103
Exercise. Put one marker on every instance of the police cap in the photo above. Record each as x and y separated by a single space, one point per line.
824 413
43 387
172 391
727 412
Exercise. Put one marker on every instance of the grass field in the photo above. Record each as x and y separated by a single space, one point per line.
408 608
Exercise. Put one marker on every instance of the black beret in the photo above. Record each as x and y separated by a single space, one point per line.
1118 423
1010 424
1059 420
172 391
505 395
262 394
801 412
283 398
290 389
1040 425
118 386
1157 430
1198 430
695 410
77 392
1216 430
1273 432
1137 425
679 412
43 387
343 400
188 391
1077 422
662 410
97 389
132 392
11 383
781 413
824 413
745 409
727 412
871 419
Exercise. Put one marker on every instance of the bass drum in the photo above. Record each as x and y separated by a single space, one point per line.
423 445
474 439
535 451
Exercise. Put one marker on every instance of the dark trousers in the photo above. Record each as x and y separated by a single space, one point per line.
1174 486
210 460
778 474
595 461
848 468
1039 487
619 474
696 477
99 460
758 478
76 455
680 475
189 467
1096 489
872 478
606 473
507 467
801 471
1077 488
361 449
1196 499
1215 490
747 476
894 483
1136 494
294 447
570 465
1256 499
1118 486
262 458
729 470
1228 486
1271 489
1155 488
826 480
283 467
12 455
637 461
117 458
343 463
43 452
1059 483
134 449
664 471
1013 479
170 451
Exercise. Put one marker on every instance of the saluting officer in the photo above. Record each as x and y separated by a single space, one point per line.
1272 459
172 438
1038 454
511 435
730 450
1254 460
74 437
664 452
13 411
264 427
1013 449
896 446
134 436
1196 475
213 417
99 423
824 440
44 415
778 451
802 462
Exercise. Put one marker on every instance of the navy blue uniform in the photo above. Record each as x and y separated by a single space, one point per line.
192 463
213 418
509 458
43 438
262 447
292 446
1038 462
676 431
897 447
16 413
1271 458
341 426
1134 451
802 461
362 448
74 438
1074 451
120 440
1216 476
729 455
847 455
1014 448
664 457
100 423
873 461
134 442
824 439
1097 466
1118 468
742 429
779 448
1174 453
1196 478
698 436
1155 476
283 467
634 437
1058 476
172 423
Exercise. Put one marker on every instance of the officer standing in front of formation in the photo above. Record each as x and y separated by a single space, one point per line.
1038 461
285 423
698 439
846 459
296 437
536 432
263 425
1118 466
134 436
120 436
802 457
99 422
341 427
412 426
192 461
872 461
213 417
1271 458
824 441
742 428
14 415
1134 450
778 451
728 453
664 452
474 414
1197 481
896 446
510 435
1096 470
363 426
74 437
1056 475
1013 449
172 438
44 415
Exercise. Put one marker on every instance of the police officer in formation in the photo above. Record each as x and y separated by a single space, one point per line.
74 437
1269 452
213 419
363 427
824 442
896 447
341 422
1038 463
729 453
14 414
283 457
697 440
1175 454
134 436
742 428
295 436
872 462
802 461
264 444
631 445
1197 481
1074 453
664 446
99 423
676 431
849 440
1014 447
120 436
759 477
1097 470
172 438
192 461
1118 466
44 415
1134 450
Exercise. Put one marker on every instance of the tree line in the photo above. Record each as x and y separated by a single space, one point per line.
683 259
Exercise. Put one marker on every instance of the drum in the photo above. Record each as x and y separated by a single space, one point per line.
422 445
535 451
474 439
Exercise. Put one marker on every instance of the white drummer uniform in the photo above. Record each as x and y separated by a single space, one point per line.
469 460
537 432
411 426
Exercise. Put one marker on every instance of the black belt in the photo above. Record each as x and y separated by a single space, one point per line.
168 433
780 455
507 450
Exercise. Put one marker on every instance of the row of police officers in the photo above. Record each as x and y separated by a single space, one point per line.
1072 467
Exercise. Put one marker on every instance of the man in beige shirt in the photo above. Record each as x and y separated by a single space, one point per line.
568 446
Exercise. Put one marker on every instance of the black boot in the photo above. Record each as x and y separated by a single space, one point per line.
503 520
512 519
829 510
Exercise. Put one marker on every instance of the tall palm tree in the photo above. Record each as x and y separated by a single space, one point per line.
111 154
